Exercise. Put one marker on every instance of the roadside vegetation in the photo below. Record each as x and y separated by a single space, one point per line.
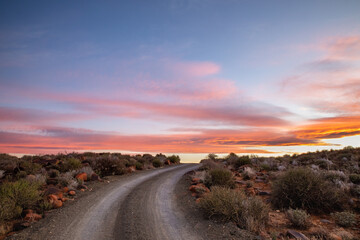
31 185
315 195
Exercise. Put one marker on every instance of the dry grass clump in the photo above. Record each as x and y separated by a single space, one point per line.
220 177
344 219
304 189
230 205
299 218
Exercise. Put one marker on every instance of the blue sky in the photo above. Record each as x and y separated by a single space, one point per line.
175 71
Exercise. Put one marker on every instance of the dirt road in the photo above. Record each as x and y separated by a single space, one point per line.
139 206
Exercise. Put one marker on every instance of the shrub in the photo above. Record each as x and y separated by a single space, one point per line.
344 219
243 160
157 163
8 162
220 177
230 205
109 165
21 174
355 178
30 167
70 164
139 166
305 189
298 218
53 173
174 159
15 196
131 162
208 165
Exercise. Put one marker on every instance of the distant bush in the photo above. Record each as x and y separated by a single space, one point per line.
157 163
16 196
30 167
298 218
241 161
208 165
344 219
109 165
230 205
139 166
21 174
8 162
70 164
174 159
355 178
220 177
304 189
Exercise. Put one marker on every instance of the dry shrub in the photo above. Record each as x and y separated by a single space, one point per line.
109 165
70 164
304 189
344 219
208 165
231 205
298 218
157 163
220 177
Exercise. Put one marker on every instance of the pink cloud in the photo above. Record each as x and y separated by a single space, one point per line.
195 69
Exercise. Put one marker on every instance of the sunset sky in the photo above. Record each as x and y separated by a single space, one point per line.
184 77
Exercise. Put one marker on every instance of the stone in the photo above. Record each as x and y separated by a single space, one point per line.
82 176
32 217
72 193
264 193
94 177
52 190
325 221
65 189
199 189
57 204
131 169
296 235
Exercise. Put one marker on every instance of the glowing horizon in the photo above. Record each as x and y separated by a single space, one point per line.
183 77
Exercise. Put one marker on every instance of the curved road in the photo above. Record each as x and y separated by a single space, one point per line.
138 206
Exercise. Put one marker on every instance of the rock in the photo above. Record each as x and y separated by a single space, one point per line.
57 204
32 217
131 169
60 195
52 198
281 168
31 178
94 177
52 190
65 189
82 176
72 193
199 189
240 182
325 221
5 228
264 193
296 235
20 226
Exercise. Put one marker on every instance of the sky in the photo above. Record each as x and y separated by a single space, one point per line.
189 77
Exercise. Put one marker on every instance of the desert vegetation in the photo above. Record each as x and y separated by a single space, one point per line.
314 195
32 185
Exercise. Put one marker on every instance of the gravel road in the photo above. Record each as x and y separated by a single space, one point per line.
137 206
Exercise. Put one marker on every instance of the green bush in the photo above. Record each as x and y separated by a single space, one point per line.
298 218
21 174
174 159
157 163
231 205
344 219
220 177
70 164
16 196
304 189
355 178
